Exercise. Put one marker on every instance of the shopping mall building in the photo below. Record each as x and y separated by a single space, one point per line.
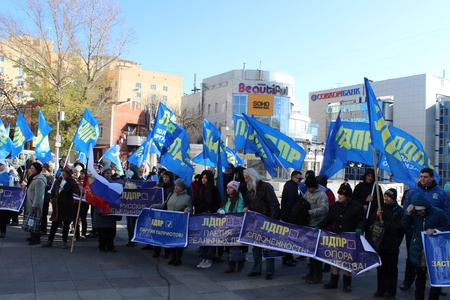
418 104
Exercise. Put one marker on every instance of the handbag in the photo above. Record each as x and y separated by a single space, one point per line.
31 223
375 234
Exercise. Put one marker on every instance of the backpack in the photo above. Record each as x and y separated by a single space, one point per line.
300 212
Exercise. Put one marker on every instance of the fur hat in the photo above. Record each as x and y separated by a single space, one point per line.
391 193
67 170
345 190
180 182
234 185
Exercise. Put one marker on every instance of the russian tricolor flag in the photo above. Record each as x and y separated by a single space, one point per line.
100 192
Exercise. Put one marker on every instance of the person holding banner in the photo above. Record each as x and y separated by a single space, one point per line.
387 273
422 216
365 192
346 215
207 201
63 206
233 203
5 180
261 198
179 200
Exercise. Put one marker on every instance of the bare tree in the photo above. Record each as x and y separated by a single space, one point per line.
65 48
191 119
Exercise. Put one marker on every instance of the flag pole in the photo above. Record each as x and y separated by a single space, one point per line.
76 221
376 182
68 153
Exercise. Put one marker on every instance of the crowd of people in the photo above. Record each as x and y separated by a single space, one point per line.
308 202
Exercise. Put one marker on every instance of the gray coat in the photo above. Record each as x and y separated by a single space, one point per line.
35 194
319 205
177 202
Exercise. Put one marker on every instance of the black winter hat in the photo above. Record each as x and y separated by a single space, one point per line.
391 193
345 190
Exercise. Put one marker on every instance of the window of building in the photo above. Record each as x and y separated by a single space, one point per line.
226 107
21 72
239 104
137 95
164 98
216 108
138 85
153 86
165 88
1 70
100 130
209 109
20 95
20 83
2 59
153 97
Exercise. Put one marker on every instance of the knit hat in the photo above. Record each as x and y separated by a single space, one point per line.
106 169
47 167
391 193
180 182
345 190
311 182
234 185
447 187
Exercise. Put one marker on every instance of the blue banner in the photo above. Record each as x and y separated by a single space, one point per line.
11 198
133 201
42 150
142 152
22 134
6 143
175 154
162 228
262 231
347 251
86 134
215 230
134 184
383 141
437 254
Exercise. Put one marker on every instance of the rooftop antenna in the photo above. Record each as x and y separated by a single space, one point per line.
243 73
260 71
195 90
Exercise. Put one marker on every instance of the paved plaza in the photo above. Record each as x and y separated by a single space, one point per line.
32 272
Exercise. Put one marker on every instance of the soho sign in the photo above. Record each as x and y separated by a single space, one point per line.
335 94
263 88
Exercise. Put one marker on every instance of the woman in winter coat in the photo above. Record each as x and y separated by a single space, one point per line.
233 203
387 273
6 179
423 217
207 201
63 206
35 196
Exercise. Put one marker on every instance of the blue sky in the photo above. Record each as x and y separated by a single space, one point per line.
322 44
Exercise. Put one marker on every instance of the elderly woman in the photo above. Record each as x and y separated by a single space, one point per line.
35 196
179 200
63 206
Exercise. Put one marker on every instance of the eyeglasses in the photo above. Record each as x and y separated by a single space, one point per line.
298 178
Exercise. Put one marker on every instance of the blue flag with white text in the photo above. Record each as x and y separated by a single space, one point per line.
6 143
22 134
42 150
163 116
87 134
175 155
383 141
141 153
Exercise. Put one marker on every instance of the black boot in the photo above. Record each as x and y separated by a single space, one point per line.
241 265
231 267
347 283
333 284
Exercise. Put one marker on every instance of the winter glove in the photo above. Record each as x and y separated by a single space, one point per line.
316 229
409 209
358 231
221 211
429 231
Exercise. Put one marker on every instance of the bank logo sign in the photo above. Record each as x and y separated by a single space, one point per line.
260 105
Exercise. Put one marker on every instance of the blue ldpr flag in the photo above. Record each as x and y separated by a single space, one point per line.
383 141
142 152
87 133
42 150
5 142
175 155
113 155
212 141
22 134
288 152
163 116
335 154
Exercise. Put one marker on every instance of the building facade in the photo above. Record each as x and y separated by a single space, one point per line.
415 104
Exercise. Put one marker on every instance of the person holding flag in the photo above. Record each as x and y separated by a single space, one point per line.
5 180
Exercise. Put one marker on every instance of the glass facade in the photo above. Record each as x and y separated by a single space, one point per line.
444 142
